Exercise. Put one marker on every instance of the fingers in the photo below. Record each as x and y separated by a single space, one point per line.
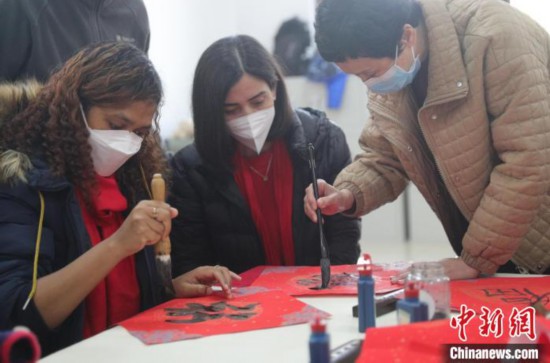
328 195
198 282
310 204
328 200
223 276
234 276
322 187
193 290
457 269
161 215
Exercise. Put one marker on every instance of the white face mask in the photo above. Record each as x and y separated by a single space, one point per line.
111 148
251 130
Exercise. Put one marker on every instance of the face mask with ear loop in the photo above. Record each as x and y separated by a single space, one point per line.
251 130
111 148
395 78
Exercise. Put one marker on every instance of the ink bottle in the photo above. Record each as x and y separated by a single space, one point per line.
365 293
319 343
434 288
411 309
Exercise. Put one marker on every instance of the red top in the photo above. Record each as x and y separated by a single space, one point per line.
266 182
117 297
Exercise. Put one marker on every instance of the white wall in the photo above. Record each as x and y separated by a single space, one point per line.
182 29
536 9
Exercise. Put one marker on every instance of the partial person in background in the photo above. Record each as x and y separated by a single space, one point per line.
76 219
37 36
459 98
292 47
239 187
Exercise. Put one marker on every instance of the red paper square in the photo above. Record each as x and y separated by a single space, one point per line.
250 309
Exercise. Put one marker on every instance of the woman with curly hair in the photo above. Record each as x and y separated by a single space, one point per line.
76 219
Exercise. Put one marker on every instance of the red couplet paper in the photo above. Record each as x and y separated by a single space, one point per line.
427 342
248 277
500 292
250 309
305 280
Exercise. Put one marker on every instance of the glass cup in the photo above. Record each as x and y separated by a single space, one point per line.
434 288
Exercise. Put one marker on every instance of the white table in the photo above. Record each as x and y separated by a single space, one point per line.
284 344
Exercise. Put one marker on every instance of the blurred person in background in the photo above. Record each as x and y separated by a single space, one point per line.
38 36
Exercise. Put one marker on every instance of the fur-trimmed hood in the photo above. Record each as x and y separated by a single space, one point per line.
14 97
14 166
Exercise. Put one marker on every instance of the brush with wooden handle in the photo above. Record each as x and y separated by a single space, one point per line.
162 248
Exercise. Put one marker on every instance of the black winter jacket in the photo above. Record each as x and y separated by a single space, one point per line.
64 238
36 36
215 226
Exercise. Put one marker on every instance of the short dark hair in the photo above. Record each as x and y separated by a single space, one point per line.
220 67
348 29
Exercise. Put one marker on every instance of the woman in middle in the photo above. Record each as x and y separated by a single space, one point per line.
239 187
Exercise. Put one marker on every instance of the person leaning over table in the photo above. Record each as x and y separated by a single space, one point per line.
459 97
74 166
239 186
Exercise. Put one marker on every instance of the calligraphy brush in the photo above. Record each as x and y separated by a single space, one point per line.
325 261
163 247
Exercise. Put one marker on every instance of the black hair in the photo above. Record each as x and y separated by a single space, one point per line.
291 44
220 67
348 29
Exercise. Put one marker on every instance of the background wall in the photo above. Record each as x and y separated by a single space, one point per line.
182 29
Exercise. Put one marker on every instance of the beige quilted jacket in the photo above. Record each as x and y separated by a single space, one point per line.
486 119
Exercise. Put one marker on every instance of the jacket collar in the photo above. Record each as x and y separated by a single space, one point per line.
296 142
447 79
18 167
41 177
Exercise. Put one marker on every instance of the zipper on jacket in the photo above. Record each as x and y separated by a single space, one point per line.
82 246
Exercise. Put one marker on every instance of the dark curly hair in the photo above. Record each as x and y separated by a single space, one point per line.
348 29
111 74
